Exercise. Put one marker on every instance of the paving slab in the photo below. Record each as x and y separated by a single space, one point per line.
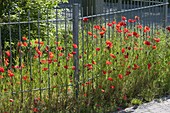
156 106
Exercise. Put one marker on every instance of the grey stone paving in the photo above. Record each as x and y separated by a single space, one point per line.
158 105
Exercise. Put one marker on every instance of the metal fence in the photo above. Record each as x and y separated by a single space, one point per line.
65 41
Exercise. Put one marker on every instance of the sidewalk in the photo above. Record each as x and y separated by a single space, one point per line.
156 106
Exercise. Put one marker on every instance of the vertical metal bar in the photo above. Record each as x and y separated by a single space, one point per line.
30 56
119 9
92 23
56 31
66 51
156 10
153 21
1 63
20 59
30 49
109 20
75 41
82 30
165 13
48 46
10 37
57 46
150 15
119 5
39 65
105 20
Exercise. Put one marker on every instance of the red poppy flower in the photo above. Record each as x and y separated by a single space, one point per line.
119 31
75 46
11 100
103 28
114 22
24 38
73 68
45 69
39 53
126 56
59 48
25 77
49 61
90 33
156 39
146 29
60 54
137 18
66 67
120 76
8 53
103 90
129 34
97 27
104 72
128 73
51 55
110 79
93 62
35 110
112 55
168 28
102 33
135 67
70 55
88 83
135 34
112 87
10 74
73 52
126 30
110 24
19 44
123 50
43 61
85 19
123 18
122 23
149 66
109 44
131 21
108 62
147 43
95 36
139 26
25 44
2 69
90 67
154 47
97 49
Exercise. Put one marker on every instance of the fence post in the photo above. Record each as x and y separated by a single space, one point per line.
75 41
119 5
0 48
119 8
165 13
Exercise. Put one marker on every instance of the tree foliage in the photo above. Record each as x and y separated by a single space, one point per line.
23 10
